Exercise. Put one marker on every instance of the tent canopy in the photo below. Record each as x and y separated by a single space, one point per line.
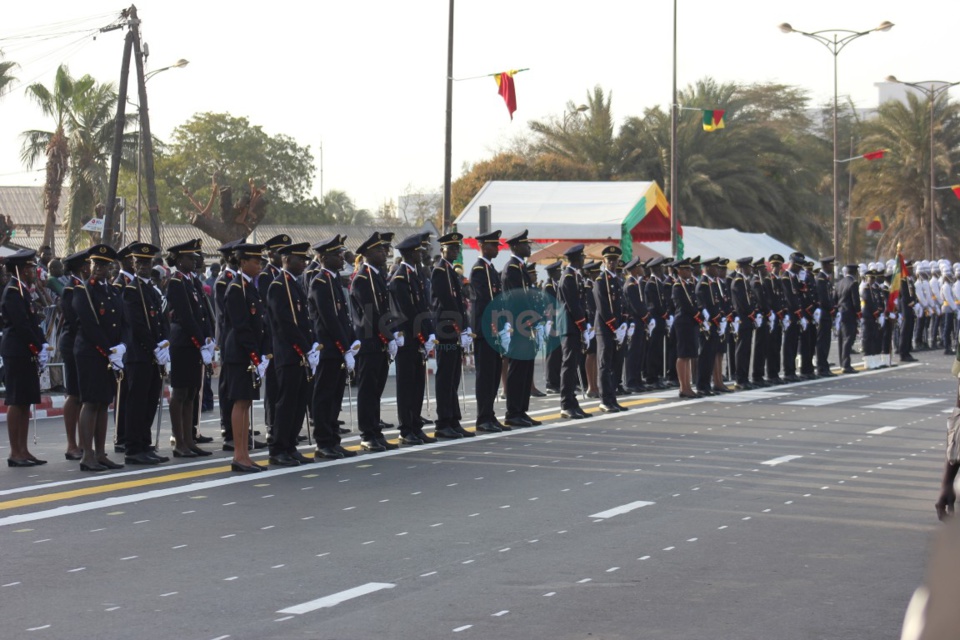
726 243
587 212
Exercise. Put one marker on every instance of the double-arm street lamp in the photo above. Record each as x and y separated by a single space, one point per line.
932 89
835 40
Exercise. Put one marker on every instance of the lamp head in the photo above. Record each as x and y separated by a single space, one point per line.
886 25
180 63
786 28
892 79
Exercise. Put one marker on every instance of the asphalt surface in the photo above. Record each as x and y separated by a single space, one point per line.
799 511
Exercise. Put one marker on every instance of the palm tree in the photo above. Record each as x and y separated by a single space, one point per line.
340 209
57 103
898 188
6 75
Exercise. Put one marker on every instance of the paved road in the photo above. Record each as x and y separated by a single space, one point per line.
802 511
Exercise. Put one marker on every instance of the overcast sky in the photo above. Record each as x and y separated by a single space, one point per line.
366 79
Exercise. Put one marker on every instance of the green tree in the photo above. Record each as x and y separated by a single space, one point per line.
338 208
6 75
897 188
236 151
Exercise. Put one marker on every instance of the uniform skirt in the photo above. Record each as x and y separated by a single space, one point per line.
97 381
688 338
238 382
71 379
186 368
22 380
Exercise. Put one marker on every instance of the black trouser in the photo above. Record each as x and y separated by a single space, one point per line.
922 322
291 407
761 338
705 359
572 354
906 332
519 380
824 331
791 343
948 325
371 371
226 409
269 398
744 345
653 355
606 361
774 347
886 336
410 374
142 384
671 362
619 357
449 369
120 415
554 358
848 333
489 364
329 383
634 360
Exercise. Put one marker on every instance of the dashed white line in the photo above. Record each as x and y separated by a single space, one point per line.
337 598
585 580
463 628
626 508
552 593
46 626
427 575
500 613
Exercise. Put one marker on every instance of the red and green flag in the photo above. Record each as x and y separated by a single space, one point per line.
713 119
900 274
875 155
507 90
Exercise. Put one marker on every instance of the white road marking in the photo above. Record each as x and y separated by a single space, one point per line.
231 578
164 595
747 396
427 575
284 619
644 558
76 570
179 546
336 598
468 562
903 403
112 609
819 401
669 548
10 584
585 580
877 432
612 569
780 460
502 613
552 593
46 626
130 558
626 508
463 628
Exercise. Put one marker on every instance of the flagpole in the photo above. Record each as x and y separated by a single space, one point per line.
448 142
673 143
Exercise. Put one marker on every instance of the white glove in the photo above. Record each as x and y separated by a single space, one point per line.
465 339
505 337
590 334
399 338
882 319
804 323
631 329
313 356
541 336
620 333
120 349
651 326
670 320
392 348
44 356
116 361
758 320
817 313
431 342
786 322
802 276
893 316
722 329
262 367
162 353
355 347
206 355
349 361
736 324
705 315
548 327
836 323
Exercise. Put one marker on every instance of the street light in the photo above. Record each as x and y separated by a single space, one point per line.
573 114
835 43
933 91
179 64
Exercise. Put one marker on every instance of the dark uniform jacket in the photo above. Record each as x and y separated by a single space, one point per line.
608 298
372 307
572 315
21 334
68 333
635 303
449 305
518 299
410 307
486 285
246 340
745 302
186 319
99 309
290 326
143 327
330 315
826 296
848 298
225 277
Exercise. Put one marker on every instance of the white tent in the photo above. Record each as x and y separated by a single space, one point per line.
726 243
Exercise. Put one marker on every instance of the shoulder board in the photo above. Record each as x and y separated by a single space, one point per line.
175 279
273 282
478 266
397 276
514 265
131 286
235 284
360 276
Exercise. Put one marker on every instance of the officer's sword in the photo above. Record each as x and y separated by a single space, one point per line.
156 440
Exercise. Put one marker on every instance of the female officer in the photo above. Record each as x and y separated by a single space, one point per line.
78 268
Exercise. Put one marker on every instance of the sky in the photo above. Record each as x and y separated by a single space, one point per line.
366 80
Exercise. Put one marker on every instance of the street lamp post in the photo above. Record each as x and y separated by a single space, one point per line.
932 89
835 43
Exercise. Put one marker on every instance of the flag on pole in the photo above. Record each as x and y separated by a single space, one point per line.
713 120
875 155
875 225
507 90
900 274
956 190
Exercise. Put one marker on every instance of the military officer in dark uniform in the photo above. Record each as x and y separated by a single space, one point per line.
227 275
267 275
453 334
378 345
295 354
148 348
124 277
523 342
204 400
488 348
641 325
414 322
572 324
761 334
25 353
78 270
708 299
190 347
99 350
656 294
246 350
746 308
611 329
848 306
790 285
333 329
689 324
907 303
554 356
779 308
827 304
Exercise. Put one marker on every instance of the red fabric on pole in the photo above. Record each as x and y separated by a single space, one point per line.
507 91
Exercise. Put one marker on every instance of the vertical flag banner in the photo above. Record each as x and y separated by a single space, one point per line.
956 190
900 274
507 91
875 225
713 120
875 155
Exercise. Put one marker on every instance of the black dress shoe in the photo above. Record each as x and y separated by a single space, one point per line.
202 453
605 408
705 392
201 439
373 446
24 462
386 444
723 389
425 421
109 464
593 395
488 427
447 432
907 358
384 426
688 396
572 414
621 391
659 385
536 393
466 433
330 453
517 422
621 407
533 421
299 457
827 374
245 468
344 430
227 445
410 439
553 391
140 458
424 437
849 370
120 448
90 467
760 383
185 454
73 456
283 460
153 452
775 380
347 453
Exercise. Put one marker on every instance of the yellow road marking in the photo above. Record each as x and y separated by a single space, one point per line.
199 473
